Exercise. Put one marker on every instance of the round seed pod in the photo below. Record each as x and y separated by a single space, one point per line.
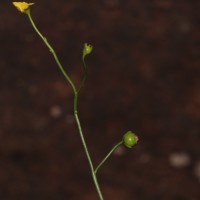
130 139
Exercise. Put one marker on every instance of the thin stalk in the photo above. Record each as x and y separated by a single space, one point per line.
88 155
107 156
85 73
52 51
76 93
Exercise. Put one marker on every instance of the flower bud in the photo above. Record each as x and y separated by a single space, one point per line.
22 6
87 49
130 139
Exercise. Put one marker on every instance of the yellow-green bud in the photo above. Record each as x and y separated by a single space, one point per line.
130 139
87 49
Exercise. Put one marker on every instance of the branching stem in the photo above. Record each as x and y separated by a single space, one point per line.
76 93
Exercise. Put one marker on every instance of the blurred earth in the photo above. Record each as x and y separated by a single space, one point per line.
143 76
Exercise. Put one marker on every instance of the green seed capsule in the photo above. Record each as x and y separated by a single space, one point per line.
130 139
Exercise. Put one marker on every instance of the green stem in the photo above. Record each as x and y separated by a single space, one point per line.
52 51
84 73
107 156
76 93
88 156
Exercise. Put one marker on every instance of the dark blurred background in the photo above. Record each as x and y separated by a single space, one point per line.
143 76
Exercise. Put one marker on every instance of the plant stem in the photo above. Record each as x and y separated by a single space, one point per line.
107 156
52 51
76 93
86 150
84 74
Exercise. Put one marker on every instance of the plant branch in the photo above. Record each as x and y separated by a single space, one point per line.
53 52
107 156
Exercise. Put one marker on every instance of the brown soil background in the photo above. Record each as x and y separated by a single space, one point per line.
143 76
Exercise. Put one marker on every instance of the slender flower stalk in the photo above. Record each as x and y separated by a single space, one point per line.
24 8
87 49
76 95
129 139
107 156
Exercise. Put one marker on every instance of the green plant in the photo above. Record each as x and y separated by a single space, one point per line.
129 139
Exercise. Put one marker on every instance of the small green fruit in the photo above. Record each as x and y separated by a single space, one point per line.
130 139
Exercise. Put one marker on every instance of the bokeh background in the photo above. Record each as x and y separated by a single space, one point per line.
144 76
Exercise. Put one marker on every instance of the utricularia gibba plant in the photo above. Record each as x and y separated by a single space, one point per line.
129 139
